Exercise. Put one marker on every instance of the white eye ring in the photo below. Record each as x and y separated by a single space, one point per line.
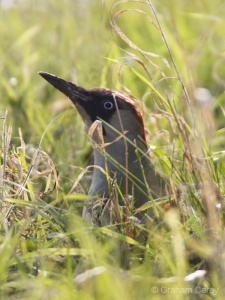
108 105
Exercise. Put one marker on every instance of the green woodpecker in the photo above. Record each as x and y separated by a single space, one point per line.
121 157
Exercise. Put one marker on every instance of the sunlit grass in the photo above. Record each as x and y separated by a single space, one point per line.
47 250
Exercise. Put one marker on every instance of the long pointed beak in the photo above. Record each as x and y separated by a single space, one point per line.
76 93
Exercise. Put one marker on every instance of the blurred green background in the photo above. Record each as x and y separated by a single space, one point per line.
116 45
75 40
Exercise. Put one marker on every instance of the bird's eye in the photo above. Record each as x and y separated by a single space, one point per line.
108 105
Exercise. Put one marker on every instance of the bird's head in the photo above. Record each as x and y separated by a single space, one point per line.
102 104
